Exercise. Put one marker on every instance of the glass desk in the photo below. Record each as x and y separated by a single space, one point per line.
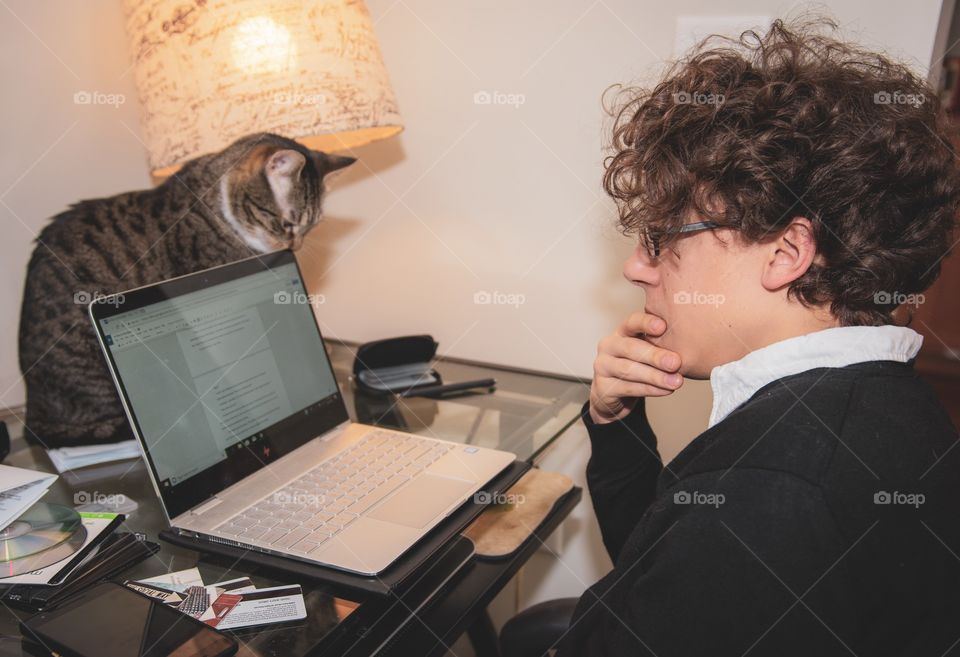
524 415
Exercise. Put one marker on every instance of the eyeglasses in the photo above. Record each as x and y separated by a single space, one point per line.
651 239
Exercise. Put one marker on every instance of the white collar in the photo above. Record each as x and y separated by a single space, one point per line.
735 382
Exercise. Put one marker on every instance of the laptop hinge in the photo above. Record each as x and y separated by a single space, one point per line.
206 506
336 431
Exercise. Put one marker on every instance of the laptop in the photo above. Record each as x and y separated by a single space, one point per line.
228 387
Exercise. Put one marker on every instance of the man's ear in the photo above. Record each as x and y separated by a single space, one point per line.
790 255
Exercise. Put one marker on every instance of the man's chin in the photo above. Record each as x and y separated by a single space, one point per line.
687 370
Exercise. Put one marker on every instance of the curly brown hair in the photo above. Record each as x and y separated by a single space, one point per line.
757 131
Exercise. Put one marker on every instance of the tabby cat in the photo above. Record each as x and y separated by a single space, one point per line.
261 193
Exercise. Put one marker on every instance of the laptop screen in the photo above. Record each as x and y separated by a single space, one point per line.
222 372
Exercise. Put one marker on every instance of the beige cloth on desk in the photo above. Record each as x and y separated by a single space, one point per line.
502 528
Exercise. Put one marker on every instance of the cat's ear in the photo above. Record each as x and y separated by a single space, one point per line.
283 169
327 163
285 163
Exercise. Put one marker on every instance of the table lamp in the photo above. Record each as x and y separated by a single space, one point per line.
211 71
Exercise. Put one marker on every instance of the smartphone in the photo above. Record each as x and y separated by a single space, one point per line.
111 620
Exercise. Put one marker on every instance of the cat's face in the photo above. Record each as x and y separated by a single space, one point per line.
272 195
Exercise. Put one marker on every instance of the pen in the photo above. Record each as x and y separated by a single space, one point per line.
449 388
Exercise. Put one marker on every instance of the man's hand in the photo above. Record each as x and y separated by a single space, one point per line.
628 367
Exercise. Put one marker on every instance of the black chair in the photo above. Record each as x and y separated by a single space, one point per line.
535 630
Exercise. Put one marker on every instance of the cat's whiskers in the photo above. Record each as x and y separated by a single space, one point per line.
257 239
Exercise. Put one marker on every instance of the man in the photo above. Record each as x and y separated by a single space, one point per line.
789 191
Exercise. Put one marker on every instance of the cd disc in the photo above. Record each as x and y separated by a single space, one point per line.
46 557
39 528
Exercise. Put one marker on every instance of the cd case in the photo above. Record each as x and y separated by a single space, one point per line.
47 542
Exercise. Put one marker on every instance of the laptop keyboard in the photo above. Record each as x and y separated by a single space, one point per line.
303 515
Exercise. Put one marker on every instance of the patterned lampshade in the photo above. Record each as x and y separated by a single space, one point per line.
211 71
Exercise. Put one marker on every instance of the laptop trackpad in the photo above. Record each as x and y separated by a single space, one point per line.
421 500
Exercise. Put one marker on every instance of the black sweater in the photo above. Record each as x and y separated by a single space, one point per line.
795 526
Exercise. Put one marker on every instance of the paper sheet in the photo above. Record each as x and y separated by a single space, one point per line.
71 458
19 490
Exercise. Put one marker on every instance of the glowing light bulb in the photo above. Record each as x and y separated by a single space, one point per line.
262 45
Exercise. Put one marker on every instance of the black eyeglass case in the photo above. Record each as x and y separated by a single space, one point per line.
396 365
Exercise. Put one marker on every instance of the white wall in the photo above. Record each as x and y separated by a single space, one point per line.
56 152
469 198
